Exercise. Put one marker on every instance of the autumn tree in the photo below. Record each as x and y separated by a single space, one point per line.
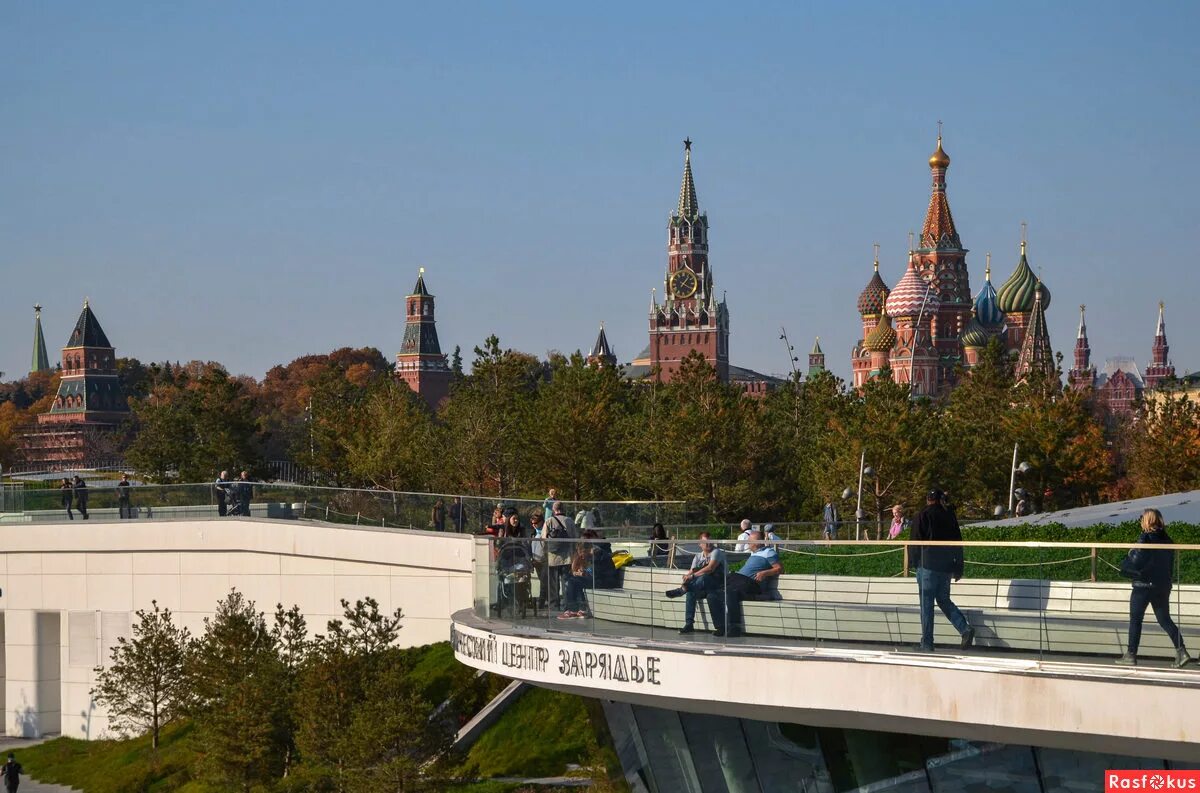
143 687
1164 453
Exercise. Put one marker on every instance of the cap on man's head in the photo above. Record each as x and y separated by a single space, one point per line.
934 495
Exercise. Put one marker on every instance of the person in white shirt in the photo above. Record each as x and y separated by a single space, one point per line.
743 540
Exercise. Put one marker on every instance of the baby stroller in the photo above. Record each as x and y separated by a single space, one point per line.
513 569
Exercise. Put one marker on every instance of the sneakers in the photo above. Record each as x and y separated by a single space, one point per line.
923 648
675 593
1182 658
572 615
968 638
687 629
1128 659
718 632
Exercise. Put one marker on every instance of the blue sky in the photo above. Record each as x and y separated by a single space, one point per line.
252 182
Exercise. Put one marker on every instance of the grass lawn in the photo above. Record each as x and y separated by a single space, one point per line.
538 736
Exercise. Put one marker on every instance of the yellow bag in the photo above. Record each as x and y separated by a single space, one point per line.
621 558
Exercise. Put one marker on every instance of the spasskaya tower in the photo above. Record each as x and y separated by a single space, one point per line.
690 316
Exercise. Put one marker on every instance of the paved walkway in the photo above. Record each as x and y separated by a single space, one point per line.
15 745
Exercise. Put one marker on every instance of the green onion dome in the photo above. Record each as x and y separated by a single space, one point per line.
975 335
1017 294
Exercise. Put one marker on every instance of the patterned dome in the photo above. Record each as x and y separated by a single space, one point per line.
987 309
870 300
882 338
911 294
1016 296
975 335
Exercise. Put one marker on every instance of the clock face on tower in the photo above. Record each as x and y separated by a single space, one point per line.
684 284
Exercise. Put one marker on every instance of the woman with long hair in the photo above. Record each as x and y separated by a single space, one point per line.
1151 573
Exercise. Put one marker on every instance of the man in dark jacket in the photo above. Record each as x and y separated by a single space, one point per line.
11 771
936 565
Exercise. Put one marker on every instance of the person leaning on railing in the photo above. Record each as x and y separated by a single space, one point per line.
1151 574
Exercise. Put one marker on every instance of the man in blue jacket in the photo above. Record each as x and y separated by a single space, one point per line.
936 565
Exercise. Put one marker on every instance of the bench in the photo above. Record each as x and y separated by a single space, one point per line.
1078 618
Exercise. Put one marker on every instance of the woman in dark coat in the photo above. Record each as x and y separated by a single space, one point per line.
1151 573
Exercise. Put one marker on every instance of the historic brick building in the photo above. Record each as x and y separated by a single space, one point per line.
89 405
1117 390
420 362
927 327
690 316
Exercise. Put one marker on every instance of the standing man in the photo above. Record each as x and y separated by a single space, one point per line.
457 518
245 491
559 532
936 565
67 493
11 771
830 520
743 540
123 507
221 489
548 504
81 496
703 580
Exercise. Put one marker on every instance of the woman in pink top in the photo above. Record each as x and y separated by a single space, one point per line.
898 522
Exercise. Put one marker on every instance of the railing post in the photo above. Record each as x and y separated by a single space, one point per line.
905 573
1094 556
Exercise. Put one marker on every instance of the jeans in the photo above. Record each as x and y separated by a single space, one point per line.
1159 598
934 587
575 599
737 587
556 575
709 587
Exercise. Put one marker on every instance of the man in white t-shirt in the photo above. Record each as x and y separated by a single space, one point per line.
743 540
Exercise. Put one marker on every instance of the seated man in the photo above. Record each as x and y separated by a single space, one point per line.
706 577
747 582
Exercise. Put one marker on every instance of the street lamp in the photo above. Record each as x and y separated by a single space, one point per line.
1012 478
863 470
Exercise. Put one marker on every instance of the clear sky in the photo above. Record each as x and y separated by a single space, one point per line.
250 182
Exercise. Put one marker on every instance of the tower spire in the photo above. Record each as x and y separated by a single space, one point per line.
1082 375
41 359
689 206
938 231
1160 367
1036 354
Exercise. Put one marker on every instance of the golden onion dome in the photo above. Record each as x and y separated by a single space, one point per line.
939 159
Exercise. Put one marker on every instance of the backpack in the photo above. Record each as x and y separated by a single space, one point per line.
560 537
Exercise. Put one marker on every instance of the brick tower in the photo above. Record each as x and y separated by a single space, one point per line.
89 402
1160 367
1082 375
816 358
942 261
690 316
420 362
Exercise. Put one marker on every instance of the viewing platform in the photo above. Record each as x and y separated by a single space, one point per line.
835 650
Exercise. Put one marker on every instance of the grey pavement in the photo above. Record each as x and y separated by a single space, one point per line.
15 745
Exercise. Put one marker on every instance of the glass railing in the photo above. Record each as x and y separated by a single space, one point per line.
104 499
1068 601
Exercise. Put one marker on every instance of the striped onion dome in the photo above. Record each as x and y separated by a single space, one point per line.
987 309
882 338
975 335
1016 296
870 299
911 295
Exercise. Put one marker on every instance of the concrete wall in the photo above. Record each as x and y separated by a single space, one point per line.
69 590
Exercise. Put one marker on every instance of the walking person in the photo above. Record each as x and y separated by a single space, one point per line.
11 772
67 493
221 491
1151 574
437 517
81 496
936 565
245 492
123 507
830 520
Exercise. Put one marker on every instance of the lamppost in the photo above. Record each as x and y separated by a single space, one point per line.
1012 478
863 470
